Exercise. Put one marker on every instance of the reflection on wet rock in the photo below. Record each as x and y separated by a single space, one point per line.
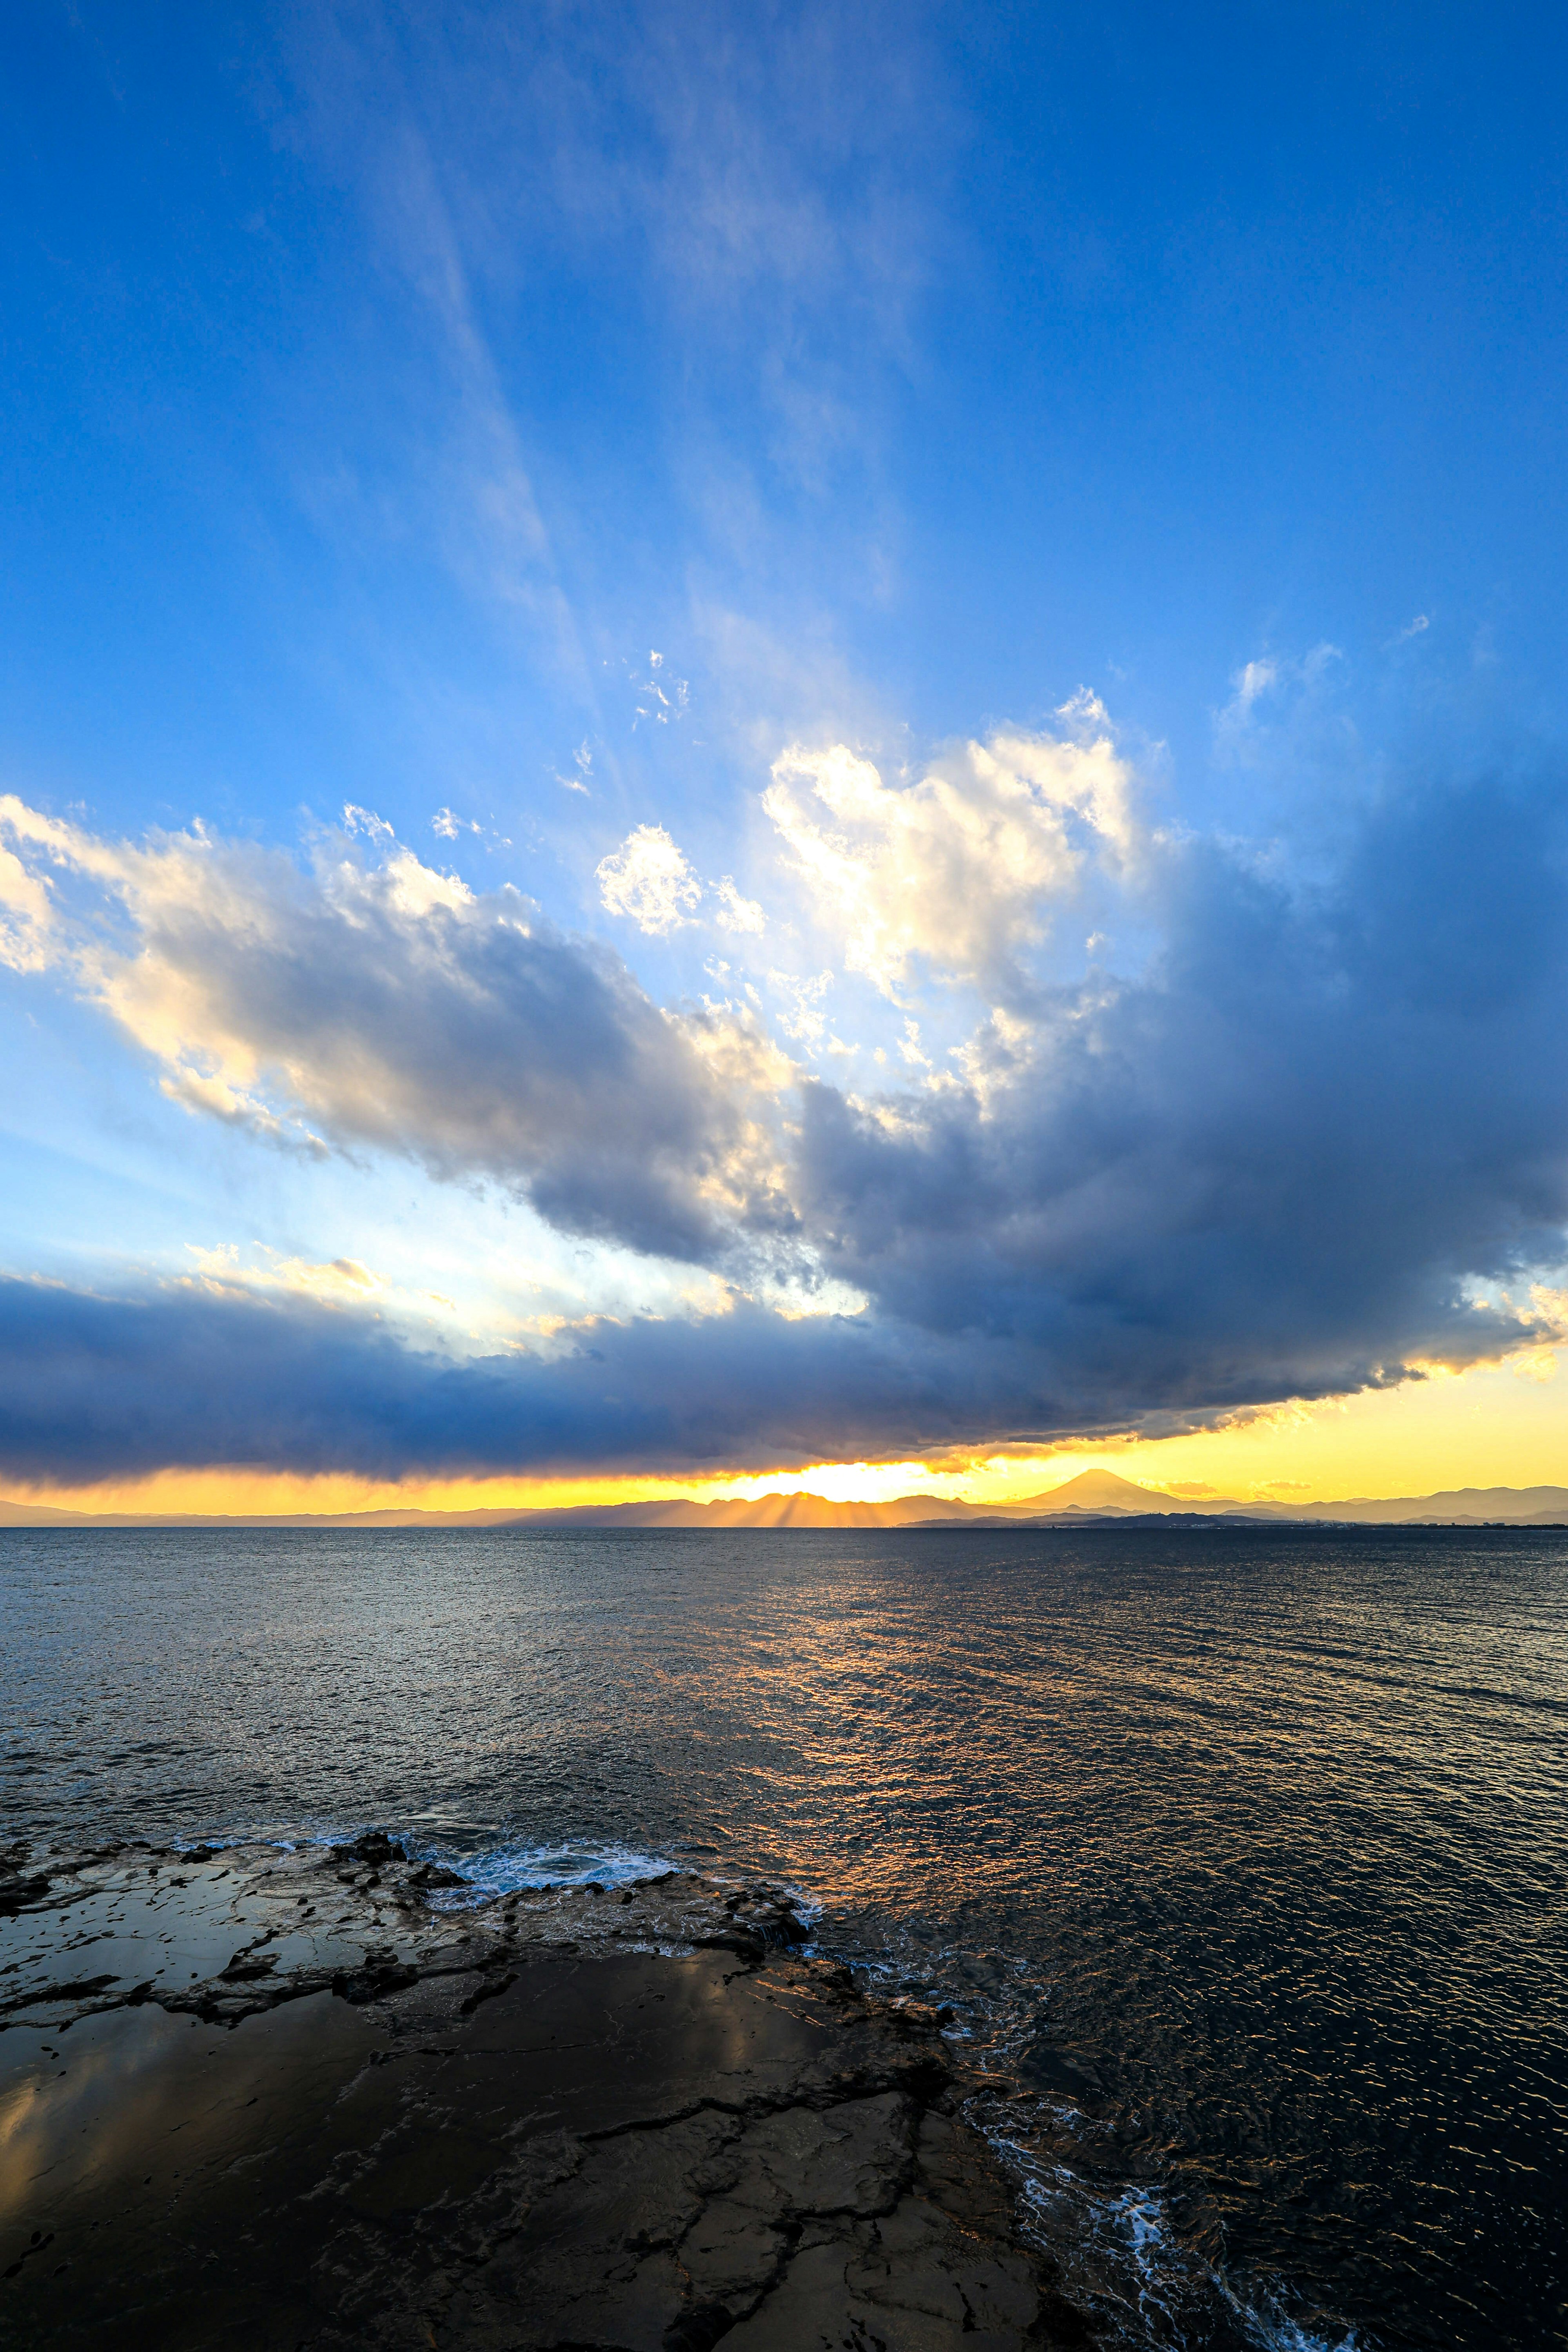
564 2118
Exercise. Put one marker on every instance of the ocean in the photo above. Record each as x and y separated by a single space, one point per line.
1241 1856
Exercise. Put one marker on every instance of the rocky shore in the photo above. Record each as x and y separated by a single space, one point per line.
262 2099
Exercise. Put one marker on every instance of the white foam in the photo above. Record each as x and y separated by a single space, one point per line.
1119 2246
1275 2331
509 1869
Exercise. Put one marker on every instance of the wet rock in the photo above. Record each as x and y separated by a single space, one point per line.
430 1875
374 1846
246 1965
648 2121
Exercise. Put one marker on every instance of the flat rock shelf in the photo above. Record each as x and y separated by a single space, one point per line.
261 2099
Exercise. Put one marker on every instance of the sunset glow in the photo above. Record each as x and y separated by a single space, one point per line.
594 916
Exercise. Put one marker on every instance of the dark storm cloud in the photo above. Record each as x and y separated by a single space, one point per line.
372 1002
485 1046
92 1388
1275 1163
1271 1164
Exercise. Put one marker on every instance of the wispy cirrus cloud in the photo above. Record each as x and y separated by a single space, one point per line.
1270 691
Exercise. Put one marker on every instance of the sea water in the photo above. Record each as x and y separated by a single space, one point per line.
1241 1856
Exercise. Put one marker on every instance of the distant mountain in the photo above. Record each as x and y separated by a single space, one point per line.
1094 1495
1467 1505
1104 1494
771 1510
1100 1495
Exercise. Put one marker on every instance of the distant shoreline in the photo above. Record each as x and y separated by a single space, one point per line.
626 1519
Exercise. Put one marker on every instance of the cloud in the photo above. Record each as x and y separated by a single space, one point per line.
217 1374
1276 1151
953 873
1292 685
804 1019
648 880
349 91
1270 1161
337 1279
27 915
765 189
372 1002
663 697
1254 679
583 760
94 1387
735 913
373 827
911 1049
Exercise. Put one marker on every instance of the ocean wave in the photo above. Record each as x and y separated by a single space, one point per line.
1120 2253
514 1868
1124 2259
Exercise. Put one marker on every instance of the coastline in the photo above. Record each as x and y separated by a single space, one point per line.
261 2098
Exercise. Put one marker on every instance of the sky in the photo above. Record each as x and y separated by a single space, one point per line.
781 744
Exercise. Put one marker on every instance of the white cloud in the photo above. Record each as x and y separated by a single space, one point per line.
374 1001
226 1272
1253 679
582 761
909 1046
365 821
343 1281
448 825
951 871
806 1021
1084 712
737 914
648 880
664 698
1289 683
27 915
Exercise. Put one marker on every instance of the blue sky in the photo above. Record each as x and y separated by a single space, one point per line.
992 581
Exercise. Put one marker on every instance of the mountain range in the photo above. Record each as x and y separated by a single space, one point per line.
1093 1496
